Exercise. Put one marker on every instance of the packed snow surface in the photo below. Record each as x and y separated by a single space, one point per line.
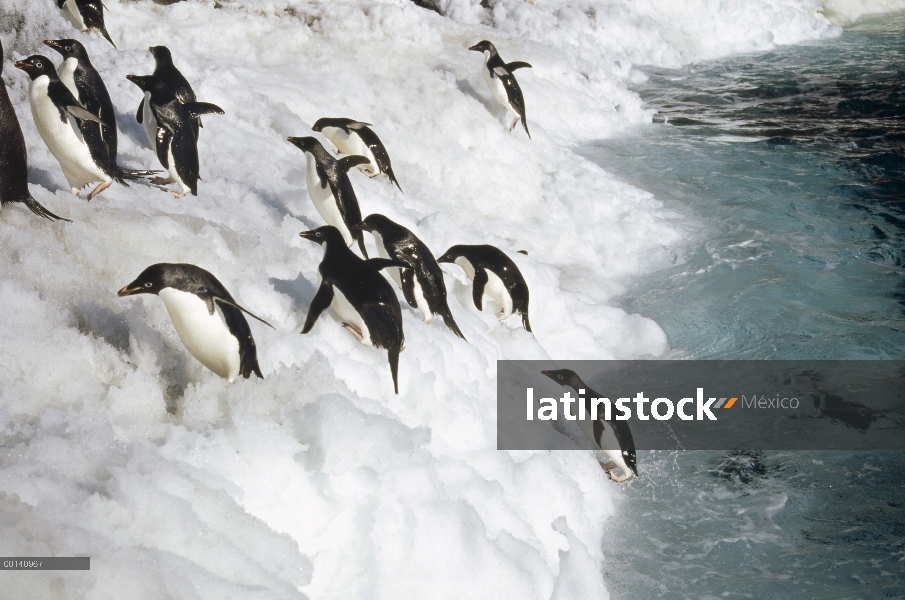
318 481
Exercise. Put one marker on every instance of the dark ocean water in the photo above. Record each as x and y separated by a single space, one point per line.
791 165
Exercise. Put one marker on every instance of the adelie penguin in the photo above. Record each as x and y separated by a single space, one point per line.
614 437
82 79
330 188
14 158
422 282
167 72
502 83
355 138
359 294
493 275
174 140
56 113
206 318
85 15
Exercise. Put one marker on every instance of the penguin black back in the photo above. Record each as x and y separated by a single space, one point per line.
167 72
14 157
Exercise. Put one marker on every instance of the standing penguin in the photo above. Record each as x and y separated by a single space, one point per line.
613 437
206 318
175 141
330 188
13 157
85 15
356 138
494 275
167 72
421 283
502 83
53 107
359 294
82 79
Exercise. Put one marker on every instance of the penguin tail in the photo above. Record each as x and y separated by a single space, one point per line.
107 36
392 177
393 356
35 207
526 323
451 323
525 125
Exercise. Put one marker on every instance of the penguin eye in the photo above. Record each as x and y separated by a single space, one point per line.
560 377
39 64
148 284
318 234
68 48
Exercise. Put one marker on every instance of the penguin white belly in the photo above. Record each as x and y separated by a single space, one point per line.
62 139
421 301
205 335
70 12
351 144
324 202
174 175
67 75
496 88
149 122
395 272
608 443
494 289
347 313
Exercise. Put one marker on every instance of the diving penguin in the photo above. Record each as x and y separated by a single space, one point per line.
494 275
82 79
14 158
502 83
359 294
175 141
206 318
330 188
356 138
613 437
56 113
166 71
422 282
85 15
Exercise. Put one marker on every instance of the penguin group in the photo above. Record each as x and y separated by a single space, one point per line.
74 115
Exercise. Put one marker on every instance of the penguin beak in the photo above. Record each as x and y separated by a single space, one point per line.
309 235
445 259
297 142
127 291
22 65
475 48
361 227
53 44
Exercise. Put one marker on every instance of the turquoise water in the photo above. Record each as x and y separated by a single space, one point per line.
790 166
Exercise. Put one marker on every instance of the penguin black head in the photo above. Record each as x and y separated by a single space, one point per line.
328 234
144 82
484 46
451 255
566 377
151 281
325 122
161 54
305 144
36 66
68 48
374 222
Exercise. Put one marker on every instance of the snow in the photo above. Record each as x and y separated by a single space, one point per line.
318 481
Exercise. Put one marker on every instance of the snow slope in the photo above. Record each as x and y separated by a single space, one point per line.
317 481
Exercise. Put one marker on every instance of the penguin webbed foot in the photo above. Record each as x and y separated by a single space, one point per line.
514 122
618 478
354 331
100 188
161 180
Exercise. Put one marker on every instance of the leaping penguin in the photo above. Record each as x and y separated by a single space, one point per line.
85 15
167 72
422 282
82 79
614 437
359 294
495 276
56 112
206 318
502 83
14 158
175 141
330 188
356 138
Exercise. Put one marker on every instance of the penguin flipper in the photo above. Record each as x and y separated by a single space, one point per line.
383 263
347 162
319 304
163 143
408 287
451 323
517 65
526 323
480 280
140 114
196 109
80 113
356 125
229 302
